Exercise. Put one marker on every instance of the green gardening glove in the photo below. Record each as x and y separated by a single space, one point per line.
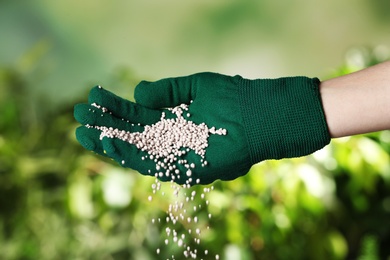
263 119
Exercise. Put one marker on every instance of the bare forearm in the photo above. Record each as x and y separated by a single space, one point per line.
358 103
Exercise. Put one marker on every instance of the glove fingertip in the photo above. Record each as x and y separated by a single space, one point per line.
144 96
82 113
84 138
77 111
98 95
109 147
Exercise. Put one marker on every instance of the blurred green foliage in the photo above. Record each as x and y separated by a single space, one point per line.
58 201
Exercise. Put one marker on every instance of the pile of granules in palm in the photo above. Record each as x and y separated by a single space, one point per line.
166 143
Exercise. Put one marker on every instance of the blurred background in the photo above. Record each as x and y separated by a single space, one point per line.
59 201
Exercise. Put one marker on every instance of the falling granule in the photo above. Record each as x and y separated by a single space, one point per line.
180 243
184 228
166 144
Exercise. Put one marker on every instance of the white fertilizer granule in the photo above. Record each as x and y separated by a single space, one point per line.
166 143
186 221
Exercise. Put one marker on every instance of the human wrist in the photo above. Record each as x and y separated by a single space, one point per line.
358 103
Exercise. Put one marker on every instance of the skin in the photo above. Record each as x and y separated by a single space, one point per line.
359 102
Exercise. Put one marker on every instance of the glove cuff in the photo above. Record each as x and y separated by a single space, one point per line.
283 117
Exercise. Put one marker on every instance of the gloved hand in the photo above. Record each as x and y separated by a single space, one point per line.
264 119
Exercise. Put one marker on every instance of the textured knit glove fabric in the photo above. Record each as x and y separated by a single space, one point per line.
264 119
